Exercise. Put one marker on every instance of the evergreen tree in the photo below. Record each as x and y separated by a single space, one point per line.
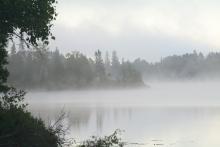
56 68
130 76
99 65
13 49
115 66
107 64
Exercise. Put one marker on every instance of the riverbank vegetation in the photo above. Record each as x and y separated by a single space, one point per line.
17 126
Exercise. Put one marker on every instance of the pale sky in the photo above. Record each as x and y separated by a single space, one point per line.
149 29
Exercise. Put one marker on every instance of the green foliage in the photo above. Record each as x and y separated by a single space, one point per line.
3 70
107 141
32 17
13 99
20 128
30 20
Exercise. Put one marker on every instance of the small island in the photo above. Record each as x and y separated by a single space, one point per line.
40 68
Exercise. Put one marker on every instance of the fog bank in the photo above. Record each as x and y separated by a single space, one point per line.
186 93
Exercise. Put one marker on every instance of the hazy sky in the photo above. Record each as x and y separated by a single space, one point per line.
138 28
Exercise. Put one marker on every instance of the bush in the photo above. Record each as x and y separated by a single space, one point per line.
19 128
107 141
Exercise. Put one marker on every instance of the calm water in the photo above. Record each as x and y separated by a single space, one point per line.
170 114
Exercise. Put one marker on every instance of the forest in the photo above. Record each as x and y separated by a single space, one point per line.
41 68
189 66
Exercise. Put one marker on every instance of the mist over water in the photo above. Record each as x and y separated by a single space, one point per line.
175 114
147 69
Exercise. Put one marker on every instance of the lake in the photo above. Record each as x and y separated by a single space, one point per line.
177 114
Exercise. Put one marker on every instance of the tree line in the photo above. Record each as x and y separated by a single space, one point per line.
187 66
41 68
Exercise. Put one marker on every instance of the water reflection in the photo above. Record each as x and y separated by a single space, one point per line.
178 115
153 126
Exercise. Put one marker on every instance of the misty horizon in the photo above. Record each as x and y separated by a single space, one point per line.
91 54
109 73
46 69
146 29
